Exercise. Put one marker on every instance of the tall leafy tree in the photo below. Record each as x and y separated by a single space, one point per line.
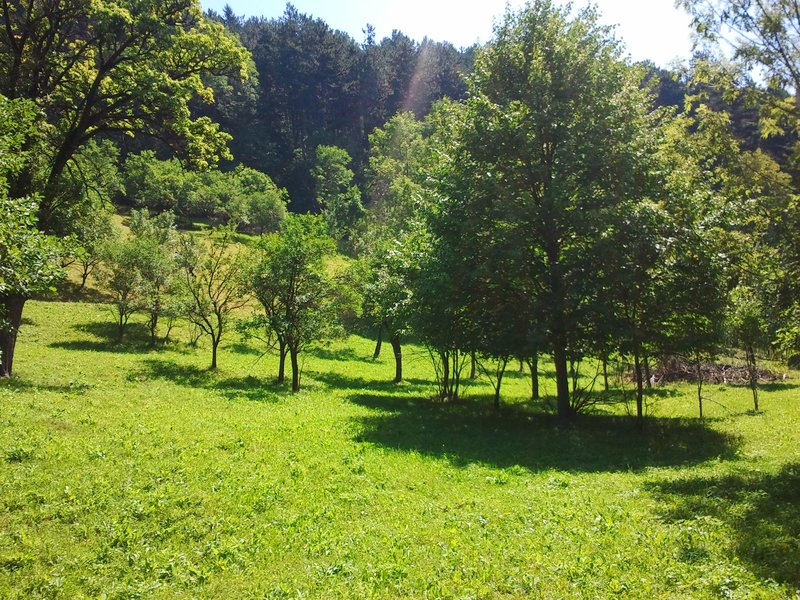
100 67
29 260
397 156
552 116
387 296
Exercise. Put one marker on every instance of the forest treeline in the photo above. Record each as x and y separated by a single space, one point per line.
318 86
538 198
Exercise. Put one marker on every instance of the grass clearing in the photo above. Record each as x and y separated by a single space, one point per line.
131 472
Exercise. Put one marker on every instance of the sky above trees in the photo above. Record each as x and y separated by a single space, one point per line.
653 30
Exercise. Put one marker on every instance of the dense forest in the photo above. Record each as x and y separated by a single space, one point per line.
539 197
317 86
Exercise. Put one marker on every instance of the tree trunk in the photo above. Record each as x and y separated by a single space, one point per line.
699 369
637 365
295 370
500 372
473 365
648 376
445 375
455 375
121 325
398 359
533 364
378 344
573 376
605 372
751 364
12 306
562 385
214 344
84 276
282 363
558 331
153 326
521 366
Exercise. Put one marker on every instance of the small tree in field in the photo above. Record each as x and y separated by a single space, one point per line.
212 275
288 279
747 327
387 298
120 276
93 230
161 294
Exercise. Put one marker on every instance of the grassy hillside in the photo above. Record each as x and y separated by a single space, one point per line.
129 472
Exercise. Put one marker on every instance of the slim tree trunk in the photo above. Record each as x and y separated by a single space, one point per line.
521 366
559 331
605 372
455 375
562 385
501 369
473 365
378 344
121 325
84 275
398 359
295 370
445 375
573 375
153 326
282 361
533 364
699 370
214 345
12 307
751 364
637 365
648 376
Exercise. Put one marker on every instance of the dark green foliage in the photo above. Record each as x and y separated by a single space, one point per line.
244 198
317 86
336 194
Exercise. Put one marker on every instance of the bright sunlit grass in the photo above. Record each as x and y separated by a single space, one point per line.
130 472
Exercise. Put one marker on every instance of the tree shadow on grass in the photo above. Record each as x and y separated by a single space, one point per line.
778 386
469 432
69 291
136 339
245 349
340 354
349 382
762 510
232 388
18 384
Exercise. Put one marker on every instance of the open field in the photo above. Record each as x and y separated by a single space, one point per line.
127 472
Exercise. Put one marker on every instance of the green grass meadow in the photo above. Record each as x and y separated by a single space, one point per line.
130 472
